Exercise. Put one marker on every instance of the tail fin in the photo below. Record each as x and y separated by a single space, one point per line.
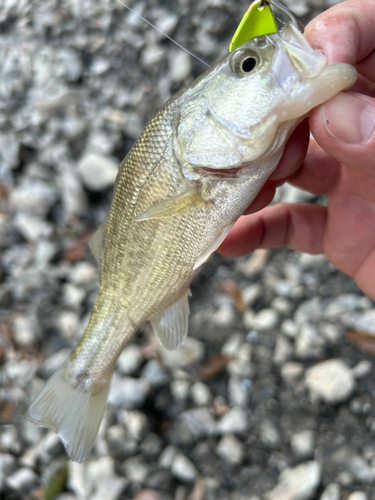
74 413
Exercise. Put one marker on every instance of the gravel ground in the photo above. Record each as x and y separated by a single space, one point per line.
272 395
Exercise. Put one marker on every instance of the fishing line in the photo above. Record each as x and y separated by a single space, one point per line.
157 29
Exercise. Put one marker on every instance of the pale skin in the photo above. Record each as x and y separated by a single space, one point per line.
339 164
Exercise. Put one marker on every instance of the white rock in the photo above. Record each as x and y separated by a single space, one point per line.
291 371
127 391
34 197
251 293
136 470
155 373
266 319
234 421
191 351
183 469
332 381
200 394
309 343
239 391
129 360
268 433
179 65
32 227
298 483
224 316
361 321
167 456
289 328
98 172
302 444
230 449
135 422
233 344
362 369
358 495
180 389
23 479
283 350
199 422
331 492
283 305
345 303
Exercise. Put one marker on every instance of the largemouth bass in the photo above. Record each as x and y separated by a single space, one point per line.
193 171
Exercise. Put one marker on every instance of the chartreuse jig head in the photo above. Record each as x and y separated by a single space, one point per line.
259 20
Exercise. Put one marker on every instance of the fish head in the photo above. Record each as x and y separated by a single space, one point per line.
240 113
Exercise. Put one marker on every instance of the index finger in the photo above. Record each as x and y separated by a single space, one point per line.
344 33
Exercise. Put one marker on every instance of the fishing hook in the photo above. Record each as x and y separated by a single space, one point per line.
285 11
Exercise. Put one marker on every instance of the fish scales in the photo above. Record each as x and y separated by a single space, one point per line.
195 168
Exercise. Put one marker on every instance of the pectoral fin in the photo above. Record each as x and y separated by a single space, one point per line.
174 206
172 324
213 247
97 242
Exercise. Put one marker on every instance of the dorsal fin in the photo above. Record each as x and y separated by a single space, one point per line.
97 242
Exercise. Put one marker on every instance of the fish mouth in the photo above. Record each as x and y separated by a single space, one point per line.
223 172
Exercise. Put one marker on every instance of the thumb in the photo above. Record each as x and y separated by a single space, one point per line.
344 127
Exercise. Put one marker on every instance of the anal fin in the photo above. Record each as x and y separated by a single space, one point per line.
171 325
213 246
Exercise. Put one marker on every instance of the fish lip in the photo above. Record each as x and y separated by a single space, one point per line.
225 172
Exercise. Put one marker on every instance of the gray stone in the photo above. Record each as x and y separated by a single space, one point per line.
289 328
362 369
101 475
179 65
9 439
136 469
282 305
199 422
224 316
331 492
200 394
239 391
332 381
345 303
180 389
310 310
363 321
309 343
135 422
167 456
23 479
235 421
269 434
8 465
291 371
155 373
298 483
358 495
32 227
98 172
183 469
128 392
191 351
129 360
302 444
230 449
266 319
33 197
283 350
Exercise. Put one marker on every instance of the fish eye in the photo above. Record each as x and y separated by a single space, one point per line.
249 64
244 62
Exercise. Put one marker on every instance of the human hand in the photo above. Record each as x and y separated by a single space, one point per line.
340 164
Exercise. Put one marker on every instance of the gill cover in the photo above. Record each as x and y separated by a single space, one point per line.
245 108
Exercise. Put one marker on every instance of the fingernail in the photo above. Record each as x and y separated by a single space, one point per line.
349 118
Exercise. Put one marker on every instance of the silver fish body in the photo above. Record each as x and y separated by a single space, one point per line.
195 168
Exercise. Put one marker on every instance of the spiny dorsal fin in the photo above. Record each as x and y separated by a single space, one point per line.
171 325
97 242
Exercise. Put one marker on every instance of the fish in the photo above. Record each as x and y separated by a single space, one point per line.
195 168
